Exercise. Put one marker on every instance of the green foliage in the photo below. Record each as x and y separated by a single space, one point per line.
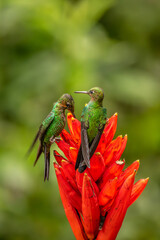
55 46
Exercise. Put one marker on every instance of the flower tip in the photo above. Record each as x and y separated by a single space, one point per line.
120 136
97 153
138 161
145 180
126 136
69 114
116 114
85 105
72 148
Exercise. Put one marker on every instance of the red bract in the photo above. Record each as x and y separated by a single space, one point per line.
96 201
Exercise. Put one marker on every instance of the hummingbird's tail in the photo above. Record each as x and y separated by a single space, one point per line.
39 152
47 162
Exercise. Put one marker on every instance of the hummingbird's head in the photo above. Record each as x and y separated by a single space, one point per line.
67 103
95 93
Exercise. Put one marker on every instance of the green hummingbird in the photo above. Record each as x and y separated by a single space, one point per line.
93 120
50 128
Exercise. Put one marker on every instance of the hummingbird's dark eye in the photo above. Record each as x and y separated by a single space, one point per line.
91 92
68 105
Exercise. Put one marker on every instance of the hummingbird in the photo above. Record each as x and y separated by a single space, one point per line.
50 128
93 120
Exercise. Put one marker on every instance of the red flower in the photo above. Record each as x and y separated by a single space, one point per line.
96 201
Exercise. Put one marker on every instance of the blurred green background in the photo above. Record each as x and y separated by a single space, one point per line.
51 47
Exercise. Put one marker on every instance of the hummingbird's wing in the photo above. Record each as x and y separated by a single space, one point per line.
102 124
43 129
40 135
78 157
46 124
83 154
47 162
85 144
96 141
81 165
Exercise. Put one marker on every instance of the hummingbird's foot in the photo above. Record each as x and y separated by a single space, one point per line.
52 139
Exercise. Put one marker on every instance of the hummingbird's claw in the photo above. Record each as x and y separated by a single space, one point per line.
52 139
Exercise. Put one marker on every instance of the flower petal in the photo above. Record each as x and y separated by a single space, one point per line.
106 208
108 133
69 173
64 147
108 192
137 189
73 152
79 180
128 171
58 157
71 213
73 196
67 138
74 128
97 166
118 153
111 172
115 150
90 208
117 212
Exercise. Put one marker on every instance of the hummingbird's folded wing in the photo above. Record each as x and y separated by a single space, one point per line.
43 129
96 141
41 132
46 124
85 144
79 157
102 124
83 154
47 163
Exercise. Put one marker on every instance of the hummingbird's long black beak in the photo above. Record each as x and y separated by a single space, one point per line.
85 92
